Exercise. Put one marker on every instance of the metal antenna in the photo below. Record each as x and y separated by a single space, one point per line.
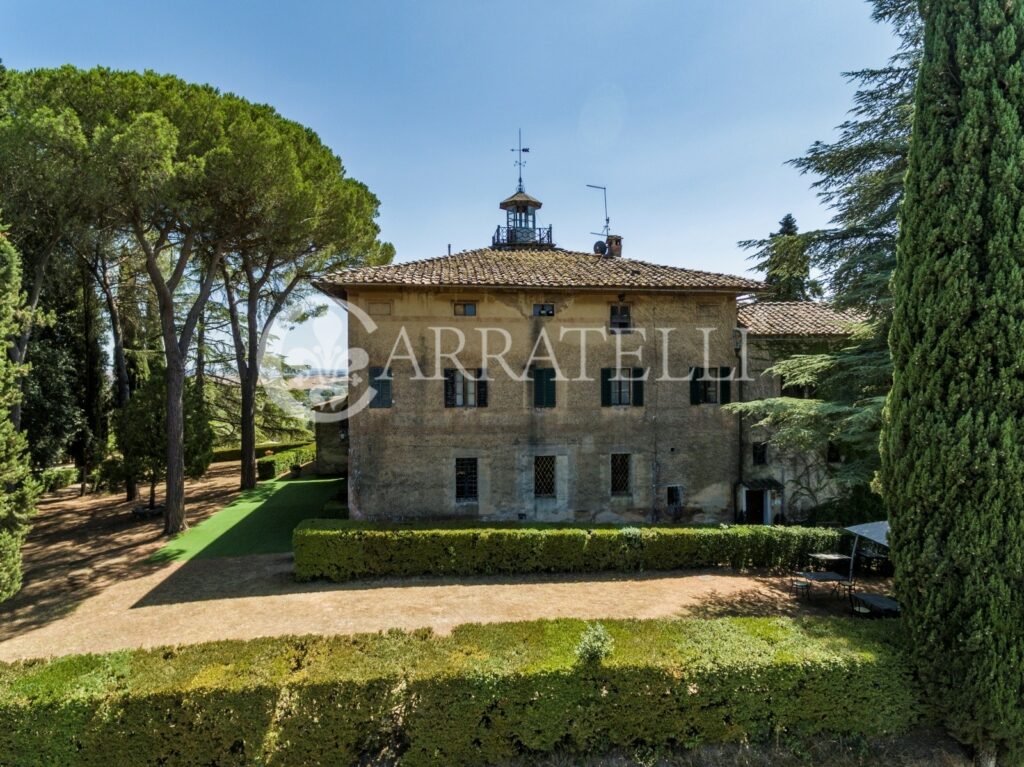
520 162
607 221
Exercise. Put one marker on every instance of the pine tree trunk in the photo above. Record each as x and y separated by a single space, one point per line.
174 501
248 425
152 493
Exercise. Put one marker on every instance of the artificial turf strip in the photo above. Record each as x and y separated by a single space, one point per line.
259 521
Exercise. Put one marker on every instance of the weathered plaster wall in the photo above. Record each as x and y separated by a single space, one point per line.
402 458
804 477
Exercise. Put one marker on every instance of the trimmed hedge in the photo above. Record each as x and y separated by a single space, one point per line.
277 464
483 695
234 452
56 478
341 550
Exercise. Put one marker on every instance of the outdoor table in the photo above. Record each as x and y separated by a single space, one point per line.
832 561
837 580
877 604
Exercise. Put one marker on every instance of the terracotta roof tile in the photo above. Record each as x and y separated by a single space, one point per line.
796 318
550 268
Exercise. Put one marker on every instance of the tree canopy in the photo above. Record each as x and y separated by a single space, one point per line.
953 444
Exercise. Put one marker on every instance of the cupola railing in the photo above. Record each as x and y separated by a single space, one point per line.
519 236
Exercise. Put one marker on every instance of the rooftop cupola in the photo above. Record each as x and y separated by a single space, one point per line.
521 230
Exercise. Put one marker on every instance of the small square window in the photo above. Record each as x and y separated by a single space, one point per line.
465 309
707 311
379 308
760 453
543 310
544 476
466 486
620 474
620 318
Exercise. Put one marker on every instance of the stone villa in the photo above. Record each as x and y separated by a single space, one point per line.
524 381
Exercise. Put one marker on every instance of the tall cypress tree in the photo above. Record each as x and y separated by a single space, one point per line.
17 490
953 441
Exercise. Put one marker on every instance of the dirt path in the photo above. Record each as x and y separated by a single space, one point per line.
245 597
80 545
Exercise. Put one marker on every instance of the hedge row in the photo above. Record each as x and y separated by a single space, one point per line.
56 478
483 695
277 464
234 452
341 550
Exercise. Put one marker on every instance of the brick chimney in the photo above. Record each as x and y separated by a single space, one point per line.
614 246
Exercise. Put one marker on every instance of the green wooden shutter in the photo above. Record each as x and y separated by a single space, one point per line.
449 387
549 389
481 387
695 374
725 386
606 387
538 387
638 387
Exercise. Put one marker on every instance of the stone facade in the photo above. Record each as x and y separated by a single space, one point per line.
402 458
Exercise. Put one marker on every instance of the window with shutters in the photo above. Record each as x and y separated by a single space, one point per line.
760 450
466 479
461 390
465 308
620 318
381 381
710 387
622 386
543 387
620 474
544 476
543 310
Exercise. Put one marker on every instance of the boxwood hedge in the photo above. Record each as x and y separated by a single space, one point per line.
482 695
341 550
277 464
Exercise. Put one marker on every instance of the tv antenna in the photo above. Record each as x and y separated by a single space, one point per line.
607 221
520 162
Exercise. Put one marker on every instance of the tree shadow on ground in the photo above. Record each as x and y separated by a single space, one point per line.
79 545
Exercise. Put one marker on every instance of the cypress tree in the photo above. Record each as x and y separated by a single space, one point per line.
953 440
17 490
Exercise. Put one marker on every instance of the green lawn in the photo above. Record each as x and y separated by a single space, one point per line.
259 521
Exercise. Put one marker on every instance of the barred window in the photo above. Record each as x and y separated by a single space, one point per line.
620 474
466 479
543 310
544 476
465 309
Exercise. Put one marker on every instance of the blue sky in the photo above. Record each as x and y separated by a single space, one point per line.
686 111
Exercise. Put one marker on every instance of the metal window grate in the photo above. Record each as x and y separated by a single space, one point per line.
466 479
544 476
620 473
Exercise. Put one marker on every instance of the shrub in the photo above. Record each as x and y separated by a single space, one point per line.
482 695
58 477
341 550
277 464
595 645
234 452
